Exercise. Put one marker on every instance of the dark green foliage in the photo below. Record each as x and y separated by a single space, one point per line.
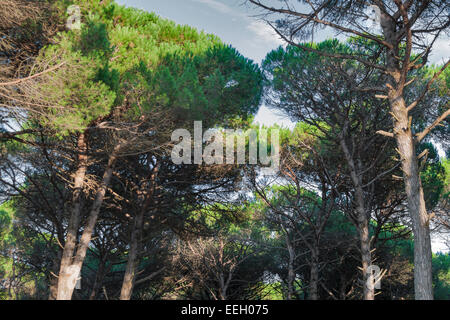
441 276
433 175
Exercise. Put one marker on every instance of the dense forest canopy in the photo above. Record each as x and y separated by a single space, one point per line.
92 205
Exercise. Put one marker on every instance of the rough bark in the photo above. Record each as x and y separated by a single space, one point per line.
423 285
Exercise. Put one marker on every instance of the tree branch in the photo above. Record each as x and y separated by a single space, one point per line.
424 133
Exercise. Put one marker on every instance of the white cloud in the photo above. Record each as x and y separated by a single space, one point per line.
268 117
441 51
217 5
264 33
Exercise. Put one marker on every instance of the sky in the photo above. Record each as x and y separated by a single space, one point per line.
237 24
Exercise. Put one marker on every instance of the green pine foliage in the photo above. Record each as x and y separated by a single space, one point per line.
176 67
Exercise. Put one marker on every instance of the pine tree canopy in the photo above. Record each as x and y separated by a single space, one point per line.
119 50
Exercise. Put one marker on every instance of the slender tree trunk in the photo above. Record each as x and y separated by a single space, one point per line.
314 275
136 235
224 284
100 274
366 257
342 289
67 282
53 280
53 288
291 271
362 224
223 288
130 271
223 294
423 285
74 220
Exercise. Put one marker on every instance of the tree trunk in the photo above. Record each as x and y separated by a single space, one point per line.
362 224
53 280
69 275
224 284
100 274
291 272
136 235
130 271
314 275
366 257
423 285
223 288
53 288
64 276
